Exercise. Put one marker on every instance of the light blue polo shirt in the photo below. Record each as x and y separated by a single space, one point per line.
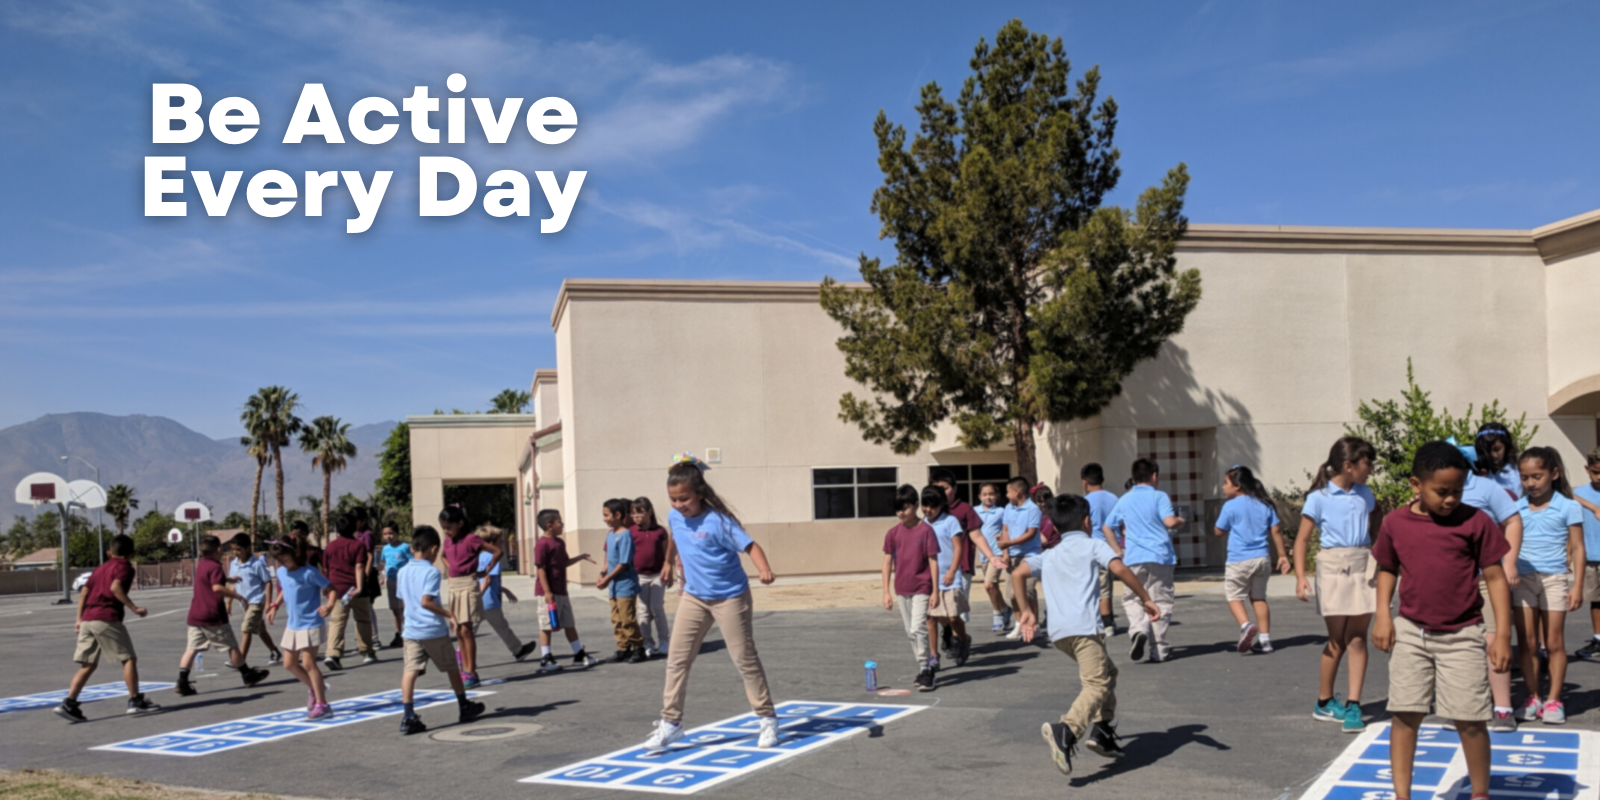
1069 578
1140 515
1247 521
946 528
1591 524
1544 535
1486 495
416 579
1018 519
709 546
992 518
1100 504
619 552
1341 516
1510 479
252 578
302 595
491 595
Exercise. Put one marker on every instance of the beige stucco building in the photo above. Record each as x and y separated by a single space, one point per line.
1297 326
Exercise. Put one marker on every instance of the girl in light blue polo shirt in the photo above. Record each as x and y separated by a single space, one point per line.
1340 506
1497 457
1552 552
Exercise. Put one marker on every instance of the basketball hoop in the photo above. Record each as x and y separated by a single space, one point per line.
40 488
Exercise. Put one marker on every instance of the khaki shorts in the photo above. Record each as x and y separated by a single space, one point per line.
952 603
1441 673
391 588
255 620
97 635
994 574
1591 582
1347 584
308 639
201 638
420 651
466 602
563 614
1105 585
1542 591
1247 580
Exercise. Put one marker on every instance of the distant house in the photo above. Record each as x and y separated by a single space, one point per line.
38 559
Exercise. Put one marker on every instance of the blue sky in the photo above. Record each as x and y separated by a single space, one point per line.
732 141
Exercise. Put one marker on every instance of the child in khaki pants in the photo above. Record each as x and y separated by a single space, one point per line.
1435 547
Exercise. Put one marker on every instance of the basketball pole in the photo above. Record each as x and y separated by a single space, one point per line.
66 585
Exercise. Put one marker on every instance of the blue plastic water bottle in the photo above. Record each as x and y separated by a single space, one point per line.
872 676
555 617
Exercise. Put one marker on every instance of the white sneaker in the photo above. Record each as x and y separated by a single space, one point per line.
666 733
1016 632
769 732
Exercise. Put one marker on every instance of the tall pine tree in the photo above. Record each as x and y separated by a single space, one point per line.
1016 298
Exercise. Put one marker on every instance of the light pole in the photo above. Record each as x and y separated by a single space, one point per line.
99 518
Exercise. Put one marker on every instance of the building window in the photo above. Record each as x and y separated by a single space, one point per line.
853 492
971 477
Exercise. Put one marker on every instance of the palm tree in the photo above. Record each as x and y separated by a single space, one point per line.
269 416
261 451
327 440
120 504
510 401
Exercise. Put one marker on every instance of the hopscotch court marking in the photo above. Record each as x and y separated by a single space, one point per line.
221 736
103 691
722 751
1537 761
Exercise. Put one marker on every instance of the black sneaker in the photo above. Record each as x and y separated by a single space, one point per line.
138 705
548 663
526 650
1588 652
410 725
963 651
332 664
622 656
470 710
70 711
1063 744
1136 649
185 689
925 680
583 659
1103 740
397 641
253 676
636 656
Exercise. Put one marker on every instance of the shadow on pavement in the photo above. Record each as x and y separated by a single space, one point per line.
967 674
524 711
216 701
1145 749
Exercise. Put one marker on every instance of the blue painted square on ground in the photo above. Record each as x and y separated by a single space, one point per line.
205 746
1535 739
1429 754
807 709
829 725
226 728
157 742
273 731
677 780
1379 773
717 737
342 718
729 758
791 741
1366 793
1427 734
1533 760
597 773
1541 783
640 755
282 716
870 711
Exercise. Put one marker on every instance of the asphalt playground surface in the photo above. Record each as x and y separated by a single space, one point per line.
1208 723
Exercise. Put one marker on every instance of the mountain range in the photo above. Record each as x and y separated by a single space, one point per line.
167 463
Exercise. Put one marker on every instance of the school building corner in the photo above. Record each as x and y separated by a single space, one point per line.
1297 326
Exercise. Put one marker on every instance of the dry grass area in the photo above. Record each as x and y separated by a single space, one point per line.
40 784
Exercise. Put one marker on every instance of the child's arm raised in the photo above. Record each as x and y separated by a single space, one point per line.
1383 620
1500 600
1302 543
763 569
1119 569
888 569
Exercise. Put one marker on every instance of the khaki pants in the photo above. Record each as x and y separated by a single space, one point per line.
914 613
625 622
695 617
1097 700
361 609
497 620
1157 580
653 611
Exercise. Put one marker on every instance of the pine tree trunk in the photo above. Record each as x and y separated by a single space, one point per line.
1027 452
255 498
277 483
327 489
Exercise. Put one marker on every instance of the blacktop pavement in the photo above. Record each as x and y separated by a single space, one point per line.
1207 723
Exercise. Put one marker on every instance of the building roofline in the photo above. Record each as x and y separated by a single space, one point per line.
470 420
683 290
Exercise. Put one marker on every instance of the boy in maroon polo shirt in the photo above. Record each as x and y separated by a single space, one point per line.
99 627
550 562
346 563
208 618
911 555
1436 545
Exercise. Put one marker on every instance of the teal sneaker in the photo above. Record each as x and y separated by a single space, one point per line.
1352 718
1329 710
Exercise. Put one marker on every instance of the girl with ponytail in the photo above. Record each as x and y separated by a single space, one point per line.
1248 519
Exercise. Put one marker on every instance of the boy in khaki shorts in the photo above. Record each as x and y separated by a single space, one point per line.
101 604
208 618
550 562
1435 547
427 630
252 579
